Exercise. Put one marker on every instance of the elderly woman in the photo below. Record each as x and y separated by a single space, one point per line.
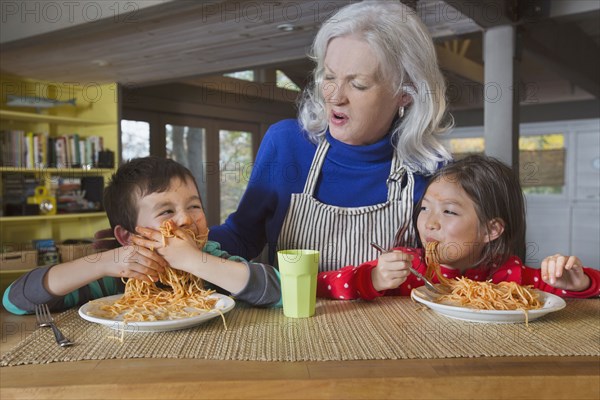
350 168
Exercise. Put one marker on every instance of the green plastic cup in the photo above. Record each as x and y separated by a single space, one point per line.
298 270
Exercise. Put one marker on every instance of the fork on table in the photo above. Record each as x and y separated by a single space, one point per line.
44 319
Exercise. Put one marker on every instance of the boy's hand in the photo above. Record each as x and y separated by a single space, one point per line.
133 262
178 251
564 272
391 270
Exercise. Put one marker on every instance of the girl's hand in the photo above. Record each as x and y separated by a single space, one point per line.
391 270
177 251
133 262
564 272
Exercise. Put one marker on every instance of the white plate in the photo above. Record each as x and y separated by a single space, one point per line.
550 303
224 304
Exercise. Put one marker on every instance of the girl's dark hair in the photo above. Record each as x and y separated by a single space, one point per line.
136 179
496 192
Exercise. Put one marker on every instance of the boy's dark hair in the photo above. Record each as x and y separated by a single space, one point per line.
135 179
496 192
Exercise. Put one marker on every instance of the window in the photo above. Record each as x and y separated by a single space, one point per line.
135 139
542 163
186 145
220 155
244 75
462 147
284 82
236 157
541 160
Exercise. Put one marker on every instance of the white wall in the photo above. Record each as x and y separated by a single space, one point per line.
568 223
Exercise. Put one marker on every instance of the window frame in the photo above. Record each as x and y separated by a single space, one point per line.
533 129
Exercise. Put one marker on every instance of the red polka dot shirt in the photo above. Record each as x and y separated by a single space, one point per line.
354 282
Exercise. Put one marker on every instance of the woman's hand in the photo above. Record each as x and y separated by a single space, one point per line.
391 271
564 272
177 251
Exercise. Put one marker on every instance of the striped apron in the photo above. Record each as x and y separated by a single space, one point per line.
343 235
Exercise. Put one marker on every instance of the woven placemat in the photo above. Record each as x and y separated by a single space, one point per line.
388 328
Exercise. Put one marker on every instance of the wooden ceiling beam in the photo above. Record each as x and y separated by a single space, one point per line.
568 8
299 72
486 13
459 65
175 40
265 90
560 46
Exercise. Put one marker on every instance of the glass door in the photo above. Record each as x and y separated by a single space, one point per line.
187 145
220 155
236 159
135 139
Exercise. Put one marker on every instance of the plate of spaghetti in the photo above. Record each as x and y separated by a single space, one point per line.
107 311
178 301
453 307
469 300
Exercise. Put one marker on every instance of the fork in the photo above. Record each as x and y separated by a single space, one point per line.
44 318
428 284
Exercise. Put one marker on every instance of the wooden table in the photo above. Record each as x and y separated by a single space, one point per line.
477 378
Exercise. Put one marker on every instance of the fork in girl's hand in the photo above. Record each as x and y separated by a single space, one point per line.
428 284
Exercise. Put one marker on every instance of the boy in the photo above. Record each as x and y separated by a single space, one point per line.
142 195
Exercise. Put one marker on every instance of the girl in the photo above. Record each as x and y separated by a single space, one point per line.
475 209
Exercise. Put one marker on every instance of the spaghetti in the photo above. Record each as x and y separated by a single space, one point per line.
480 295
183 297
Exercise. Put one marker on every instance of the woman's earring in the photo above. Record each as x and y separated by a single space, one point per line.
401 112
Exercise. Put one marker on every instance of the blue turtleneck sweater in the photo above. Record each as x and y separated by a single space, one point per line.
352 176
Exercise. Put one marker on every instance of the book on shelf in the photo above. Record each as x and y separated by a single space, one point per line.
31 150
29 157
76 159
13 148
51 151
60 148
43 149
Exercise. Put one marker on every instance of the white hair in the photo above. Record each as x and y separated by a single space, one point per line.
407 63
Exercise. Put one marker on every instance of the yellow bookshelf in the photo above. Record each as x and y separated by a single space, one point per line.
95 114
9 115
